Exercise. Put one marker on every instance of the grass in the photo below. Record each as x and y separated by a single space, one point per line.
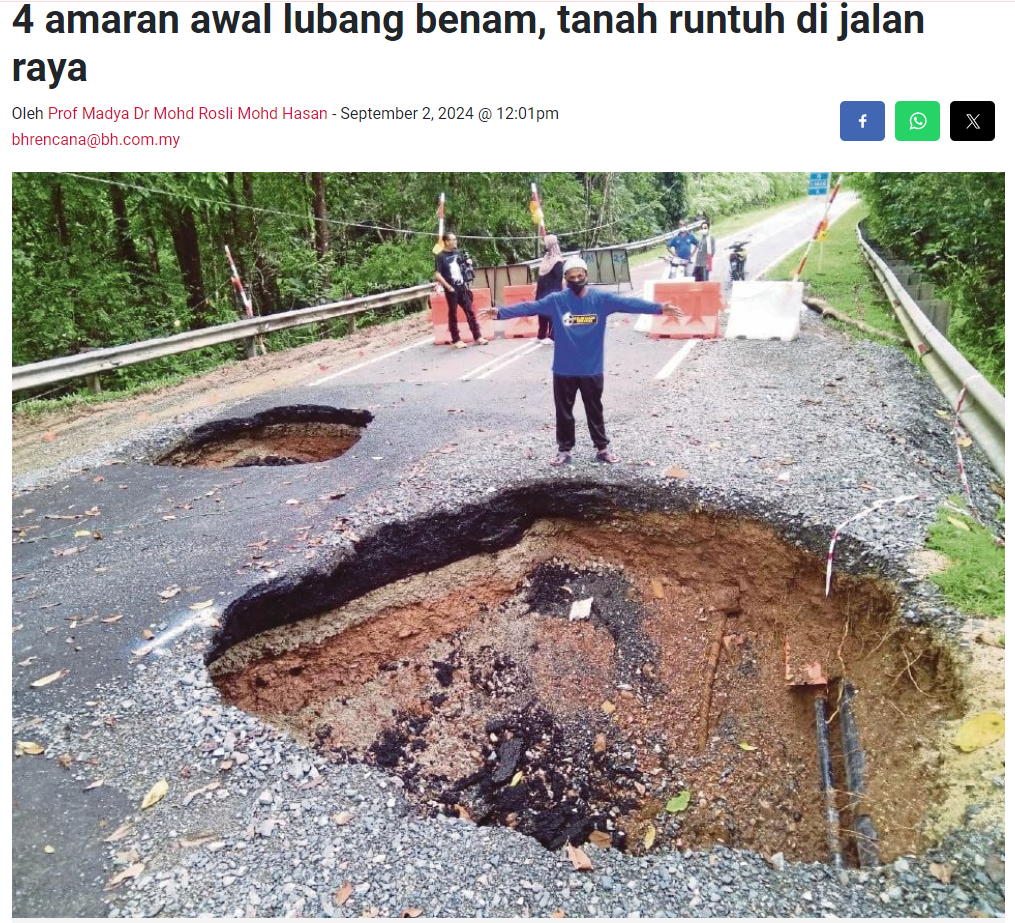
723 227
842 277
974 581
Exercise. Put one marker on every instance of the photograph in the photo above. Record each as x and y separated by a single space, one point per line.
508 544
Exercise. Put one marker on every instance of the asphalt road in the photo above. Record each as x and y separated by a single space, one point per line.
161 527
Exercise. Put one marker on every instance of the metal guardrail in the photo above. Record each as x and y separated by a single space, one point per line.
983 408
52 371
104 360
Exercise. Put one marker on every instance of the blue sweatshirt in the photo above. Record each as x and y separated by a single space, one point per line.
579 325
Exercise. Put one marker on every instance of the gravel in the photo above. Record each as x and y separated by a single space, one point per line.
803 434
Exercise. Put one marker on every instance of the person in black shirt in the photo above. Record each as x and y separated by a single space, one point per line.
449 273
550 279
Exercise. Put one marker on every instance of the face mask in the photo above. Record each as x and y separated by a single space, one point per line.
577 285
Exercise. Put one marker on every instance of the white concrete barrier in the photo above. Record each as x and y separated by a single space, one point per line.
765 311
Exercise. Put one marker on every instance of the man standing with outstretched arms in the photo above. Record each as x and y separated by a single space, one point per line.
579 321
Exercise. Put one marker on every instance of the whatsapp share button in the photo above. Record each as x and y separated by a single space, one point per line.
917 120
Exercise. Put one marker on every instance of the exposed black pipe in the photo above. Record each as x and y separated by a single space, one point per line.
827 782
863 826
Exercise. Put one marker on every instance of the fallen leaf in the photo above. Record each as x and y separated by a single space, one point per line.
48 437
344 893
942 871
744 745
462 813
119 833
964 442
112 619
155 794
82 533
65 760
601 839
675 472
608 708
516 778
203 605
64 552
943 414
344 818
657 589
51 678
579 859
959 524
558 914
979 731
147 634
49 849
372 913
97 784
411 912
600 745
679 802
998 489
169 518
650 836
170 591
132 871
28 748
28 661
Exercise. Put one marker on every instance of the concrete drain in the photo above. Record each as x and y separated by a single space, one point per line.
486 688
281 436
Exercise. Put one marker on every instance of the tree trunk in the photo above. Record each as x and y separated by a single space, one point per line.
322 238
126 249
60 215
183 227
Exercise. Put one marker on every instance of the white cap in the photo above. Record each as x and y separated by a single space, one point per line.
575 262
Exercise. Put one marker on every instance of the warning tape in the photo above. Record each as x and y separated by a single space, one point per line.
863 514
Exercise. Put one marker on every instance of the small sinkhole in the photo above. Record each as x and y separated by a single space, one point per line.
622 682
293 435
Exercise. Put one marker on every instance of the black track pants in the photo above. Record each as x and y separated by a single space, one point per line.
565 389
461 296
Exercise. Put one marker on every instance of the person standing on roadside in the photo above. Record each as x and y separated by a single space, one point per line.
703 253
550 279
453 272
682 244
579 316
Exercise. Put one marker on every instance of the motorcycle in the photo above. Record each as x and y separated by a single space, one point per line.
738 260
678 267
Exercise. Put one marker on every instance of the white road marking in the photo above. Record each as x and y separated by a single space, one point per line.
361 365
531 349
206 618
494 360
679 357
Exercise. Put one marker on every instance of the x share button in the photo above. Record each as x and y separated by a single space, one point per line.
971 121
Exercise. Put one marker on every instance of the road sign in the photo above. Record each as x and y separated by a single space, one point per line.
817 184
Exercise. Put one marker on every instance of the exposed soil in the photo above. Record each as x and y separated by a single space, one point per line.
281 436
474 685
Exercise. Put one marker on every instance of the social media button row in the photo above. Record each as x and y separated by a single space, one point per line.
916 120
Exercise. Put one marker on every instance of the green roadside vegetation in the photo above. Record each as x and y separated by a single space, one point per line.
840 275
974 580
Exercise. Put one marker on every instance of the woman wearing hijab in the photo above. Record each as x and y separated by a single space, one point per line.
549 280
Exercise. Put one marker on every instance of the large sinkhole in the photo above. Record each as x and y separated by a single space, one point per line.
293 435
482 684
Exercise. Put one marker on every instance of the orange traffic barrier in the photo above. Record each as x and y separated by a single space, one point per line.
439 317
701 303
520 327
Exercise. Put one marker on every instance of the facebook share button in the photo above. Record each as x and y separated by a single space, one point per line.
862 120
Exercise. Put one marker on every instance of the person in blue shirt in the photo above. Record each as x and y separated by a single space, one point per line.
579 316
682 244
